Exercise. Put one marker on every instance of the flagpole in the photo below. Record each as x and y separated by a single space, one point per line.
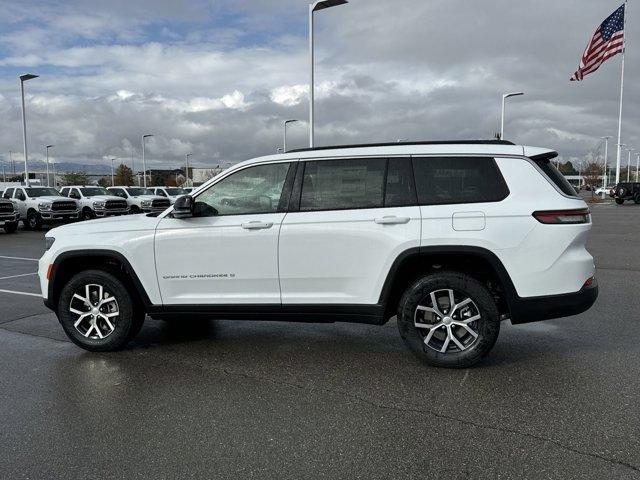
624 51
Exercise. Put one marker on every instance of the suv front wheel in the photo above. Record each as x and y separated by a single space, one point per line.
449 319
97 312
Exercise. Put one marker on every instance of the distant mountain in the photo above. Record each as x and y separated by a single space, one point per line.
61 167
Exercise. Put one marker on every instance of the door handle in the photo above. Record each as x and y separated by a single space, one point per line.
257 225
392 220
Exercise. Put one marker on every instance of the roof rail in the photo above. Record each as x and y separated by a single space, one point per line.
393 144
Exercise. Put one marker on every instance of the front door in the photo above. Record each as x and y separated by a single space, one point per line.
227 253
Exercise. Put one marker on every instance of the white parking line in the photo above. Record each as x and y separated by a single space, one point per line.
22 293
16 276
20 258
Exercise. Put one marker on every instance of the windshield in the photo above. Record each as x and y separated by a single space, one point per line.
41 192
175 191
136 192
92 192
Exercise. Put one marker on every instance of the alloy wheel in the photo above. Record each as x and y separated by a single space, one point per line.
96 311
448 321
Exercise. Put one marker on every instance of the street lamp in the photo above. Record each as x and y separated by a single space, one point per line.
113 182
606 163
630 149
284 143
47 150
314 7
186 166
637 165
144 162
504 97
23 78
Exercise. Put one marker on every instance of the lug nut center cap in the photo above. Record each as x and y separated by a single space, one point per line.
447 320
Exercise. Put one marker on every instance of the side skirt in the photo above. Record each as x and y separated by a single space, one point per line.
317 313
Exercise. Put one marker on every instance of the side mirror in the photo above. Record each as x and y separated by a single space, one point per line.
183 208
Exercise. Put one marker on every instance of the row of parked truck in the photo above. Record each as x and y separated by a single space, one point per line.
37 206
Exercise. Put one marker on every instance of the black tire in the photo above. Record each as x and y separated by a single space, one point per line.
619 201
34 222
487 327
636 198
126 324
134 210
87 214
11 227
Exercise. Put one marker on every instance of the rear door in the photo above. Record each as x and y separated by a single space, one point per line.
348 221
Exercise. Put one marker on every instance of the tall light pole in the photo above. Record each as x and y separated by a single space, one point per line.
47 151
144 162
53 164
504 98
186 166
630 149
637 165
113 182
314 7
606 163
284 142
23 78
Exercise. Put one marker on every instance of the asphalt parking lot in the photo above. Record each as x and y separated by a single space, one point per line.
558 399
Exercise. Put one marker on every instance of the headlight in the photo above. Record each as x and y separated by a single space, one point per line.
44 206
98 205
146 203
48 242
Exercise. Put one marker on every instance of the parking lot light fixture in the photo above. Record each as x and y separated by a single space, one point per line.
284 143
186 166
23 78
144 162
504 98
314 7
606 163
47 155
113 184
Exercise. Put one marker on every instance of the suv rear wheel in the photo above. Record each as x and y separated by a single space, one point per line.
97 312
449 319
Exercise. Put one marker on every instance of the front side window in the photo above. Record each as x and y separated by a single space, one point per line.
8 193
161 193
343 184
252 190
174 192
118 192
452 180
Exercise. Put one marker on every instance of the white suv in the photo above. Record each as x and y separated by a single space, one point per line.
141 200
172 193
96 202
42 205
452 238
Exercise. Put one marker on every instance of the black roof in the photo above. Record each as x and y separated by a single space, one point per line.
393 144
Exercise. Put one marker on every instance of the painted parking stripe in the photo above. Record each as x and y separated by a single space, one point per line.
39 295
16 276
20 258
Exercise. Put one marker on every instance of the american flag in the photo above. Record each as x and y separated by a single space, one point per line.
607 42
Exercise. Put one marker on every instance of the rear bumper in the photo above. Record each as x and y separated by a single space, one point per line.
535 309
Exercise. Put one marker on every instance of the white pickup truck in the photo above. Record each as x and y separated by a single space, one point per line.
172 193
96 202
141 200
42 205
9 216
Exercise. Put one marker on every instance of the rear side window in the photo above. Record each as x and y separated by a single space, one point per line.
451 180
555 176
343 184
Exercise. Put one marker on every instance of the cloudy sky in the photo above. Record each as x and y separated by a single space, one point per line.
217 77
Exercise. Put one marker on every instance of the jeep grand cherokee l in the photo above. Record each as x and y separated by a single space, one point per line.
450 238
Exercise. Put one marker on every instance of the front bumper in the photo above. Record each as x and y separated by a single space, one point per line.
535 309
63 216
154 210
12 218
111 213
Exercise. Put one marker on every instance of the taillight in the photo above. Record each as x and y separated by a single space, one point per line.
563 217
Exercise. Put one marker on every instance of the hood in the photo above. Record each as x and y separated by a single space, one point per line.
127 223
52 199
105 197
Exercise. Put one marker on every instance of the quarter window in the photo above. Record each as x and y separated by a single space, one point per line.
451 180
250 191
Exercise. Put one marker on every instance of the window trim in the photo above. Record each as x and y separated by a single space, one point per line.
261 164
492 158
